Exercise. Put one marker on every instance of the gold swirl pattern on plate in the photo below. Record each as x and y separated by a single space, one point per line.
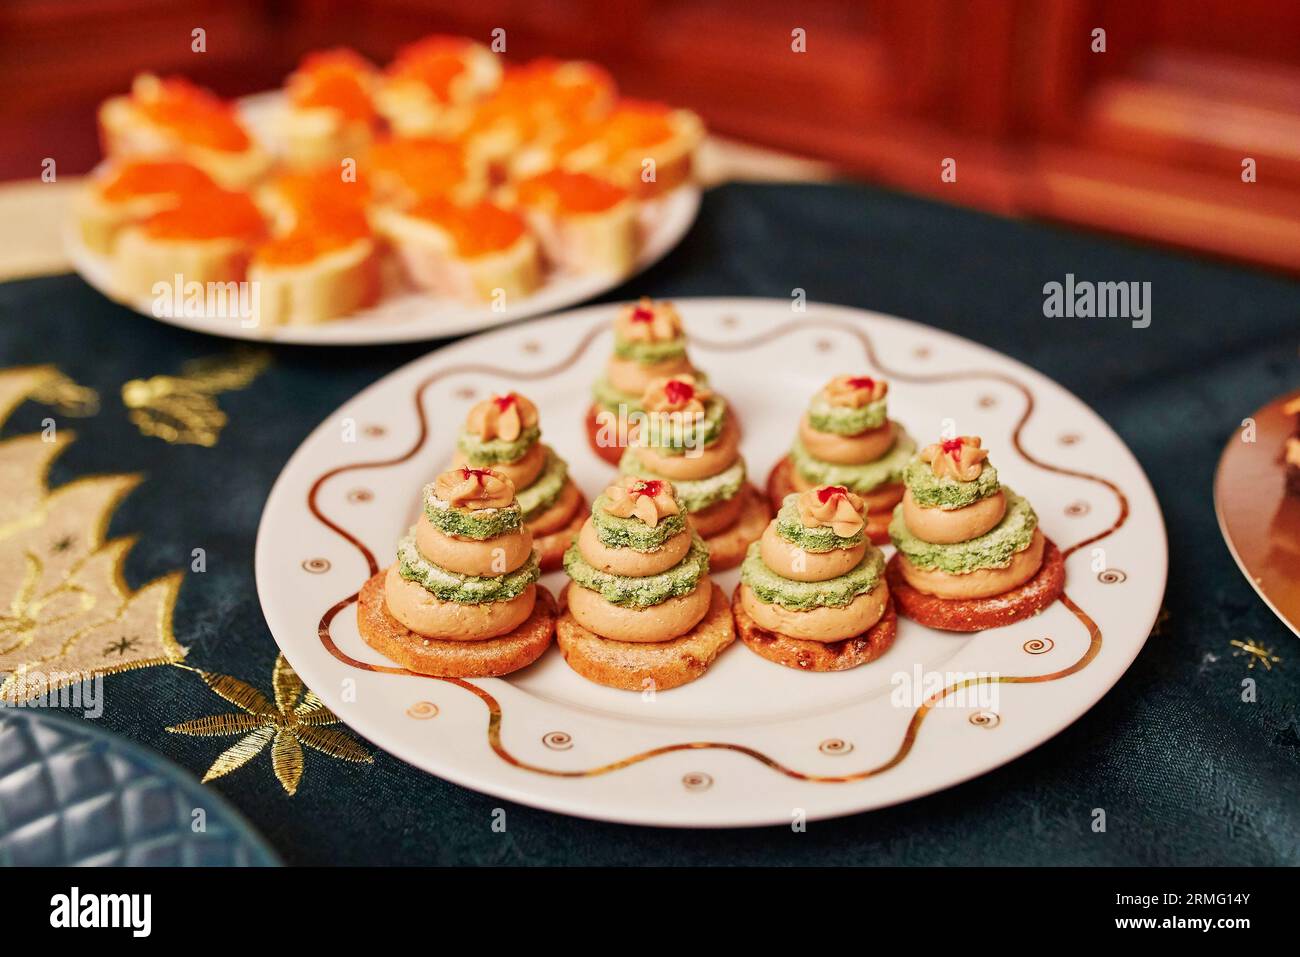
1039 646
422 711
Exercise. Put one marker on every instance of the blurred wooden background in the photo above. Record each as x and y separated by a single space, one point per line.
1146 139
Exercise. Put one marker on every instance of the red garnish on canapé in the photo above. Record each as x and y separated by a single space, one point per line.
642 314
678 392
862 382
824 495
953 447
468 472
651 487
503 402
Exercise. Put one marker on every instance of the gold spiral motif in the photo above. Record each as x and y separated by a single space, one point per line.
986 719
358 495
374 431
1077 509
422 710
558 740
1071 438
835 746
1111 576
1039 646
697 781
317 566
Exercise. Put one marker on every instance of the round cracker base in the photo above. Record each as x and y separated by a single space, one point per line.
610 453
727 548
977 614
804 655
490 657
551 548
780 483
636 666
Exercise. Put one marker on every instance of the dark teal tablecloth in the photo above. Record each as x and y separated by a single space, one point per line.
1187 772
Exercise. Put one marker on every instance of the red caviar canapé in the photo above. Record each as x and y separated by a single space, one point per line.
434 62
337 80
566 192
211 214
323 230
193 114
426 167
824 495
476 229
153 178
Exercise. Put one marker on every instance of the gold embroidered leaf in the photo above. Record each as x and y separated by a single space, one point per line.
286 684
216 725
240 753
317 717
238 693
336 744
309 704
286 759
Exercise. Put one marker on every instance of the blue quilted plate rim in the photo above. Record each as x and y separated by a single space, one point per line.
219 810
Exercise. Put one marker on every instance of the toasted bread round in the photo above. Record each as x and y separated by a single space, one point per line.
552 546
454 659
780 483
610 453
977 614
803 655
641 666
727 548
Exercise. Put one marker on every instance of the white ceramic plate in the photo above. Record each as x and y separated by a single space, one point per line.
751 742
405 315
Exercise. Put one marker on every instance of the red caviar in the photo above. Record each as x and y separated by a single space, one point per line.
570 192
154 177
335 79
321 230
504 402
862 382
476 229
210 214
195 115
434 62
651 487
303 192
427 167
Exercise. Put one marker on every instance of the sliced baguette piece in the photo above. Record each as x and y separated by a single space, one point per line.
585 224
174 118
474 252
